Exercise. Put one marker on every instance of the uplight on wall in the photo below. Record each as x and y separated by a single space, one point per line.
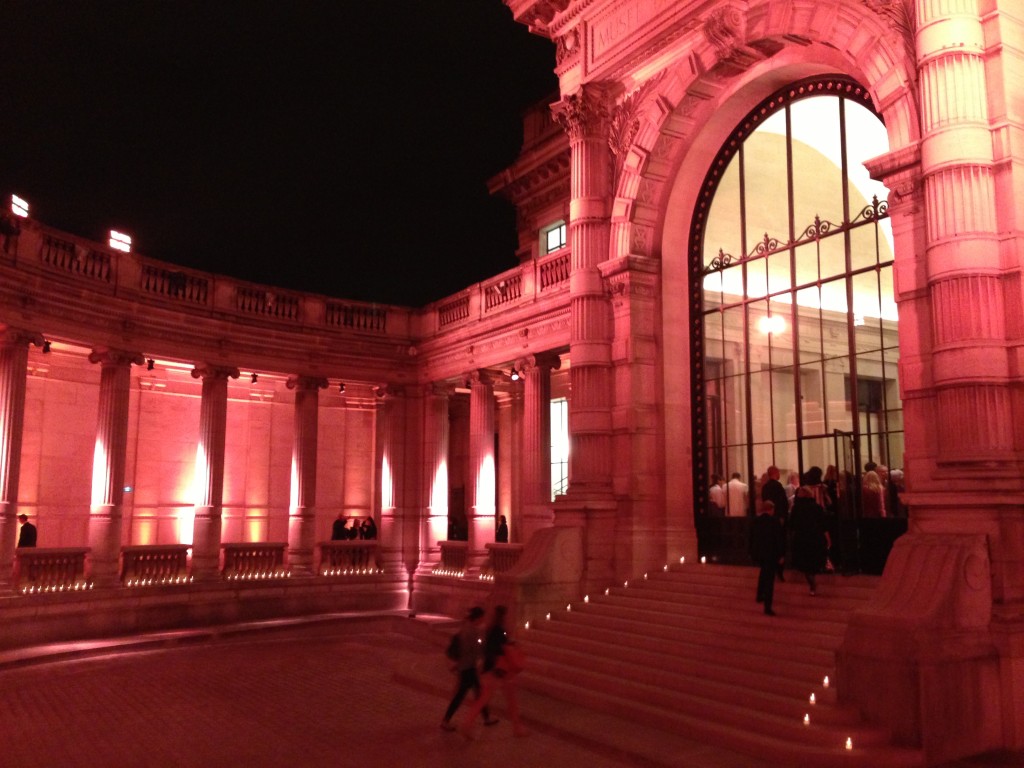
120 241
19 207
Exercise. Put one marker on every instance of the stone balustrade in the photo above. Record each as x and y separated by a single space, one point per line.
50 569
339 558
254 560
502 557
454 558
152 564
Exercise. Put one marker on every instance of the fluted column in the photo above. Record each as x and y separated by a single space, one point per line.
209 470
435 472
482 476
13 371
105 513
302 508
536 455
584 116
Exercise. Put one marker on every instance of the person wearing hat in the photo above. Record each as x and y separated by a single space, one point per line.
466 659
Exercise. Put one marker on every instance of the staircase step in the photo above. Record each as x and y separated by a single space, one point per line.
688 648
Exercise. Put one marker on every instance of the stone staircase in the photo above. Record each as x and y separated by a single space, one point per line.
689 651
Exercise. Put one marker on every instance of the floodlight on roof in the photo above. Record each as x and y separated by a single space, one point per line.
19 207
120 241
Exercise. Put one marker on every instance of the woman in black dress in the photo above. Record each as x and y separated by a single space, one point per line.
810 539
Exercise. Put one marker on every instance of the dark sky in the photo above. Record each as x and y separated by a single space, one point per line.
341 147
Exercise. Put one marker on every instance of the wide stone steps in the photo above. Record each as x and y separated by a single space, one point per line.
689 650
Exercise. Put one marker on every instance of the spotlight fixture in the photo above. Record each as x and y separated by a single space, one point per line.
120 241
46 347
380 391
150 363
254 377
19 207
514 375
341 386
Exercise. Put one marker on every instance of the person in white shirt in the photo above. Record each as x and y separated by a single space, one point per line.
717 496
737 496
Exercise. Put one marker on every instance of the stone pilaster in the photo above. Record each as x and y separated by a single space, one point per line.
13 371
105 513
537 507
482 479
209 471
302 509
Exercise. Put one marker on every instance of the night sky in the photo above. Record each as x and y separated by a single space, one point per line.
340 147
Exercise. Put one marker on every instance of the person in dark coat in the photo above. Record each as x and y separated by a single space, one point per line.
501 535
27 537
774 491
767 548
368 530
810 539
338 532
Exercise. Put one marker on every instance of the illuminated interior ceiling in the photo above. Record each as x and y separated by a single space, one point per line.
817 175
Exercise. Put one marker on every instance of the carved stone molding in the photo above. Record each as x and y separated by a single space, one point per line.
13 337
584 113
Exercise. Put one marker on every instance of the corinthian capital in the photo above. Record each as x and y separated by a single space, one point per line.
306 382
584 113
16 337
115 357
208 371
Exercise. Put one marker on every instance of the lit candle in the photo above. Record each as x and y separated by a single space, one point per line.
682 559
812 700
547 616
825 681
807 719
849 743
703 560
586 598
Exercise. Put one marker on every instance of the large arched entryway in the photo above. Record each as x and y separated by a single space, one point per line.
794 342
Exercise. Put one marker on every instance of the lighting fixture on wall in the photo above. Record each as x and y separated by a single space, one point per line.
254 377
341 386
46 347
150 363
514 375
19 207
120 241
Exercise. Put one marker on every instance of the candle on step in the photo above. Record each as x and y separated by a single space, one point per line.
812 700
849 743
825 681
807 719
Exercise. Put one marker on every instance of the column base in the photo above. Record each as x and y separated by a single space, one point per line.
595 515
104 545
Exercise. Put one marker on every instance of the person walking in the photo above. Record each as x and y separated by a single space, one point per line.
810 539
502 663
466 658
767 548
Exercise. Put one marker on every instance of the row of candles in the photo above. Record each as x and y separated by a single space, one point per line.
280 573
158 581
812 700
38 589
351 571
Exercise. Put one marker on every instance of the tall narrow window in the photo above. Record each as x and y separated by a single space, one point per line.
793 279
559 447
554 237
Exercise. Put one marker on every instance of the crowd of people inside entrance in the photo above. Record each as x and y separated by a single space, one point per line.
796 523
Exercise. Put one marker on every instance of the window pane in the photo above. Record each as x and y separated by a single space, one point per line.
812 399
767 209
809 321
832 256
779 277
863 247
734 410
817 161
721 232
817 452
866 138
888 305
837 371
834 318
712 338
806 264
783 400
866 311
733 347
761 406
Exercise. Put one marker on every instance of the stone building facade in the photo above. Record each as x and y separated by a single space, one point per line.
146 406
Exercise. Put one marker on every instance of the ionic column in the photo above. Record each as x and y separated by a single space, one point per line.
13 371
302 508
536 455
482 476
209 471
105 512
584 116
435 473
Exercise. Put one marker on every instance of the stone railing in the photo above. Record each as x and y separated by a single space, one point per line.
339 558
144 565
254 560
508 290
454 558
50 569
44 250
502 557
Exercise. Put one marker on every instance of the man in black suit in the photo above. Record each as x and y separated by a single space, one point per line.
774 491
767 546
27 537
